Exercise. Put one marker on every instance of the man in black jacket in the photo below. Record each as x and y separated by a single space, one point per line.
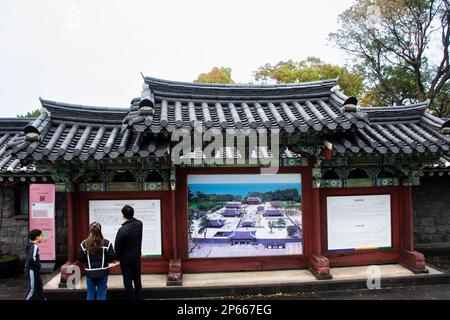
33 266
128 246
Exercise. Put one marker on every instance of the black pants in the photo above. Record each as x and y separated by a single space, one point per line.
35 291
131 271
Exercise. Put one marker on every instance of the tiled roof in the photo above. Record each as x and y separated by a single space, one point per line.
69 131
403 129
444 162
243 235
273 213
302 107
12 135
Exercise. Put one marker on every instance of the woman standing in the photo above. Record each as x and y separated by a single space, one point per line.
97 254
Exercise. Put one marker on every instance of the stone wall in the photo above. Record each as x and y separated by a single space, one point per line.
431 206
14 228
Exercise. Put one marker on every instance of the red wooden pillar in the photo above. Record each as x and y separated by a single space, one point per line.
70 227
319 265
67 270
175 275
413 260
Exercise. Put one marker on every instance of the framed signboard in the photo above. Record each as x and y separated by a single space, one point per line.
109 214
42 217
360 222
244 215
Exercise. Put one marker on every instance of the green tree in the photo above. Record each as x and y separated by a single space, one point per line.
30 114
216 75
190 226
203 225
401 47
271 225
291 230
311 69
398 77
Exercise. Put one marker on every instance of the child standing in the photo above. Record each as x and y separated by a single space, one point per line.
33 266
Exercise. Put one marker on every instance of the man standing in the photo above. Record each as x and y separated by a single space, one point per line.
128 246
33 266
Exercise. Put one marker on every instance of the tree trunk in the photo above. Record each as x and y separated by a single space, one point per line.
421 95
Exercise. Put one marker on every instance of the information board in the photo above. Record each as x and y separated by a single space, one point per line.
42 217
109 214
359 222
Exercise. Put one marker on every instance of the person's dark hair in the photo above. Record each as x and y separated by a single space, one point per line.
34 234
128 212
94 241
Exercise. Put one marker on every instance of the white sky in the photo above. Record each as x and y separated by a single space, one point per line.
92 52
244 178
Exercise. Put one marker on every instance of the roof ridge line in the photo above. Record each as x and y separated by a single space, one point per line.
188 84
418 105
58 104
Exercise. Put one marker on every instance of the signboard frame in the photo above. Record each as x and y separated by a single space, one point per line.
42 198
335 244
370 256
241 263
80 223
117 212
258 241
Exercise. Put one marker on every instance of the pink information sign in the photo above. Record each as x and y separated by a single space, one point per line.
42 217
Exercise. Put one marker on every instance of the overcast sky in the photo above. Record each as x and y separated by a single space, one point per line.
92 52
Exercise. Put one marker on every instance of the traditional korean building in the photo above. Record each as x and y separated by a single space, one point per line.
233 205
216 223
231 213
253 200
343 153
273 213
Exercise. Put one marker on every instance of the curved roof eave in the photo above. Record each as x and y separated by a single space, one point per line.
191 90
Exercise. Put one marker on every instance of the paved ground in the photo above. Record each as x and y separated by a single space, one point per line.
15 288
441 261
428 292
12 288
253 278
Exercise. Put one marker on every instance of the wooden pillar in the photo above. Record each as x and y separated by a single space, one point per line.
413 260
68 269
70 231
175 275
319 265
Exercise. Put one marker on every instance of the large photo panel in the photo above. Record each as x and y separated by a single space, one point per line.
244 215
359 222
109 214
